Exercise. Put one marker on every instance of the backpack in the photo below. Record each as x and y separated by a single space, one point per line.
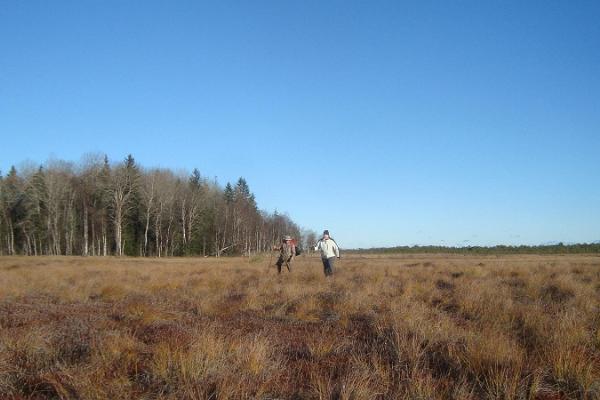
298 250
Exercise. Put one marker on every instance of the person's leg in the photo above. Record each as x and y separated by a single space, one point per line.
331 262
289 265
327 266
279 264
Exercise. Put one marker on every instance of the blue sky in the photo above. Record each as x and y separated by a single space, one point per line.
389 123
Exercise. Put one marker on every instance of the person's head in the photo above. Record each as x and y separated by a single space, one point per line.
325 234
287 238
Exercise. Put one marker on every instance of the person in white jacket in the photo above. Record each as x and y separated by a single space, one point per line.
329 252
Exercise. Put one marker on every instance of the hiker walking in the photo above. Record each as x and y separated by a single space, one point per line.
287 252
329 251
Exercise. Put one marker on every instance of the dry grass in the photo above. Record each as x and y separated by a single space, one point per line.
409 327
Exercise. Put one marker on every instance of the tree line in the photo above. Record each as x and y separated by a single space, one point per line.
99 208
559 248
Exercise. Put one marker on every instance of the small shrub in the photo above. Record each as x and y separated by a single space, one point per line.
556 293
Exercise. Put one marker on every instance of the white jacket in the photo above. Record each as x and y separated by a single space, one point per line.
328 247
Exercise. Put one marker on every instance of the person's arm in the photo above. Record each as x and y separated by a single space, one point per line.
318 245
336 249
293 252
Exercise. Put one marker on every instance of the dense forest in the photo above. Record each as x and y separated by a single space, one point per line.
99 208
558 248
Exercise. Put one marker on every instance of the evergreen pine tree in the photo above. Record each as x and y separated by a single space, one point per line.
133 227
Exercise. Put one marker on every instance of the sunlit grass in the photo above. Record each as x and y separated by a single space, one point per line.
409 327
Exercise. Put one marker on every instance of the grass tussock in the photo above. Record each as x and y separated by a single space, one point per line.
410 327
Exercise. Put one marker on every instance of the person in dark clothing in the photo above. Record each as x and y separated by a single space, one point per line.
287 252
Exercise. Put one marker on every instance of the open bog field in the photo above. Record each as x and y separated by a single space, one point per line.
410 327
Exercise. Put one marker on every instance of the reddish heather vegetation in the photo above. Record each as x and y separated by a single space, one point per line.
409 327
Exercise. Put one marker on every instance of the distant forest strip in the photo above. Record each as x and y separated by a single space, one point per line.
99 208
582 248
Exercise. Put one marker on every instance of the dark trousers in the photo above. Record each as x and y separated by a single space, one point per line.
328 265
281 261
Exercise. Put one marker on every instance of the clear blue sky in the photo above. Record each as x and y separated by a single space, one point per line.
447 122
